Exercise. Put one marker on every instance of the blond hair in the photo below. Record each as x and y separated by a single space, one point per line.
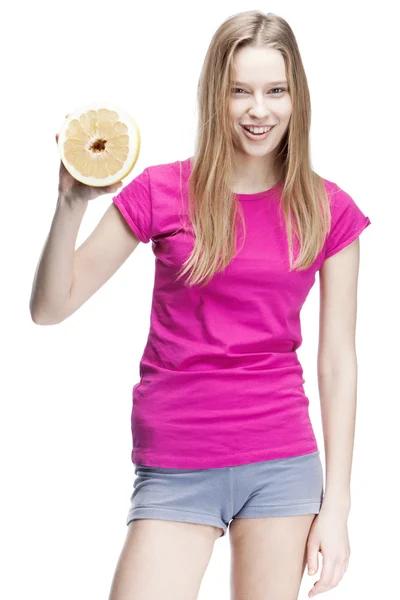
213 207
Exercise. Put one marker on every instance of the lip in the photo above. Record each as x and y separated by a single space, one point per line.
255 137
251 125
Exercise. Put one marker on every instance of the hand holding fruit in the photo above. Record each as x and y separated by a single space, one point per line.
99 145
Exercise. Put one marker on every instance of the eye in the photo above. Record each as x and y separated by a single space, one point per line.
238 90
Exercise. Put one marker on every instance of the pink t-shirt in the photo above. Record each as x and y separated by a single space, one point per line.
220 381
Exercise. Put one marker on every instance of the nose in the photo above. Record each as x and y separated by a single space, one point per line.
259 110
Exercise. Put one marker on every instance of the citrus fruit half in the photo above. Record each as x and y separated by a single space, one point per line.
99 143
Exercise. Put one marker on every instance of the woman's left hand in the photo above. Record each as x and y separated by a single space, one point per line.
328 535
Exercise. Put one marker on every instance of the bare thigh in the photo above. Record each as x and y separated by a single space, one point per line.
163 559
268 557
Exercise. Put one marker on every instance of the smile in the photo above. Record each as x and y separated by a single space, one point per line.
256 136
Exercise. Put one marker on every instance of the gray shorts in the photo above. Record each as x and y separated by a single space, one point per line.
273 488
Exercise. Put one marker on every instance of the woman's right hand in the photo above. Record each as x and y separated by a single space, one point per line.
72 188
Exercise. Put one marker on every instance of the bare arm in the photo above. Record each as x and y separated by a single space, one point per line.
337 371
66 278
53 276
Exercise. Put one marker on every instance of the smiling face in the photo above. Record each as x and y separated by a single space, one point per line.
259 96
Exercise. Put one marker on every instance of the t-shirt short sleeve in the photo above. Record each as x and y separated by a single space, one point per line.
134 203
348 221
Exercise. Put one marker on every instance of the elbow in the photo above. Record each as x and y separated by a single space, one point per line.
337 364
40 319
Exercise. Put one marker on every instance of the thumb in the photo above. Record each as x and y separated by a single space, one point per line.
312 560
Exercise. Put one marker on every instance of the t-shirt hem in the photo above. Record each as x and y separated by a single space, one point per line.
128 219
231 460
348 241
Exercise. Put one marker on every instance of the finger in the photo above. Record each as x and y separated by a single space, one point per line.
313 566
319 585
66 116
112 188
323 584
337 574
346 565
312 560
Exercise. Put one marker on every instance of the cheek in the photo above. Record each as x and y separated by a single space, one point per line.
287 109
232 118
235 129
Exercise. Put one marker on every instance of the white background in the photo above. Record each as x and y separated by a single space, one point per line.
66 472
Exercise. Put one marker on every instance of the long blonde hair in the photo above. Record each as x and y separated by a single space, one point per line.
213 207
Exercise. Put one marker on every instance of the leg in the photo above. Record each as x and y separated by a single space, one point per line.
268 556
163 559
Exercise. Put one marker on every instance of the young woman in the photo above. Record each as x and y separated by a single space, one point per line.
221 431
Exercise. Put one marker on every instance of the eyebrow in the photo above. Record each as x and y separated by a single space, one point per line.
270 83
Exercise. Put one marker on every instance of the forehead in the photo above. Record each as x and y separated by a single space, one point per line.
258 65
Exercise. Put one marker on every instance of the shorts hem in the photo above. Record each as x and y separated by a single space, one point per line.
280 511
170 515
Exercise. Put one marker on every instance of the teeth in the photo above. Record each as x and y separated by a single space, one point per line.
258 129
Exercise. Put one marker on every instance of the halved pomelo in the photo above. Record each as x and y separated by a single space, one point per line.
99 143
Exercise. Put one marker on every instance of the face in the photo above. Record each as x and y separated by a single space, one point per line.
259 96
